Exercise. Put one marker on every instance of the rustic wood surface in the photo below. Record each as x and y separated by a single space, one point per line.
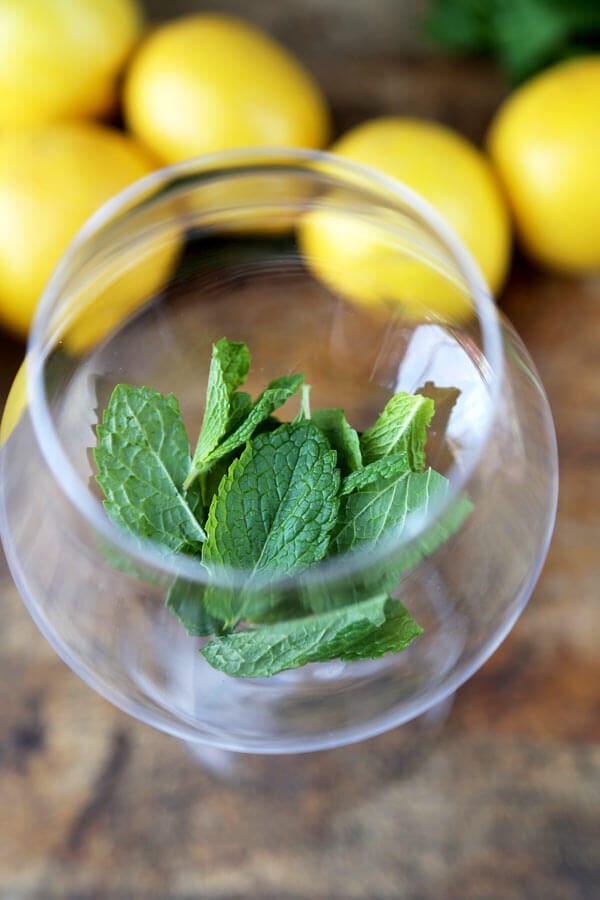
504 802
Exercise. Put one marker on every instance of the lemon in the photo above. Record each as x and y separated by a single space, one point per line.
545 142
15 404
212 82
52 179
61 58
357 259
362 261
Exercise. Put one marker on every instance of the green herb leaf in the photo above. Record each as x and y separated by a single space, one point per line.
461 25
273 512
342 437
439 452
382 507
276 394
395 494
523 35
229 367
439 532
385 506
402 426
365 630
186 601
143 456
240 404
395 634
396 464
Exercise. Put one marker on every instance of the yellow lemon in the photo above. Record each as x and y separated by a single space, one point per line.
213 82
51 180
365 263
61 58
15 404
545 141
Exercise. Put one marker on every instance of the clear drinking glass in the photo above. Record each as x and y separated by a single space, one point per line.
207 249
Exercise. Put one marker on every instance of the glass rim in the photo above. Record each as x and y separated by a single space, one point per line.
224 163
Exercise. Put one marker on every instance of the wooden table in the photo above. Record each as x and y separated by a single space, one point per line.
505 803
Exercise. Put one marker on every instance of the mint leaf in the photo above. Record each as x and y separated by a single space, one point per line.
143 456
229 367
186 601
402 426
276 394
441 531
387 466
283 609
273 513
523 35
240 404
395 634
375 626
382 507
342 437
233 359
375 577
439 452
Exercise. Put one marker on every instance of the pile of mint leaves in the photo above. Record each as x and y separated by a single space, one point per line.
523 36
272 499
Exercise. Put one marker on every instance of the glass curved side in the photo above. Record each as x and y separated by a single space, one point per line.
112 628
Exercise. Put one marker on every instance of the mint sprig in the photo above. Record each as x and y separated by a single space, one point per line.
262 501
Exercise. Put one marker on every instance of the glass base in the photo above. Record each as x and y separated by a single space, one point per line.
409 746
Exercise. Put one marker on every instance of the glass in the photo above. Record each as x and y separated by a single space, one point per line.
207 249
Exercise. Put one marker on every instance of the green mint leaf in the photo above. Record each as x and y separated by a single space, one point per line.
441 531
523 35
382 507
240 404
276 394
375 577
342 437
273 513
271 423
461 25
395 464
229 367
401 426
395 634
186 601
233 362
209 481
143 456
528 34
439 452
375 626
283 609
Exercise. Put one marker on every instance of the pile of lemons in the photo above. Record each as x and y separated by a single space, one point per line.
211 82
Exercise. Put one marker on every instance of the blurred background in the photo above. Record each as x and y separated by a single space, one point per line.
501 799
